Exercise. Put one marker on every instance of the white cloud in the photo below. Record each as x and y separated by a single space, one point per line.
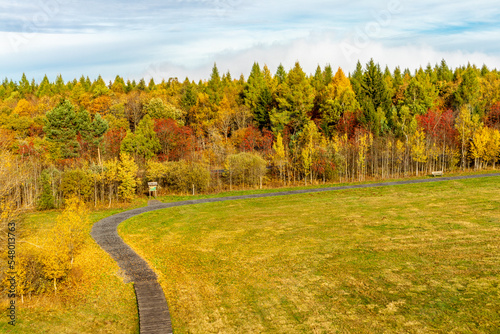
185 37
320 50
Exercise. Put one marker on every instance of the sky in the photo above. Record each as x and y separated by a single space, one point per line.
185 38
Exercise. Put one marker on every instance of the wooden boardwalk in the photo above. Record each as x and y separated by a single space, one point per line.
154 317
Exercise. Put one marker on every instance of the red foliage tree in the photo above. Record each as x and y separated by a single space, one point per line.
35 130
438 125
251 139
112 141
322 163
176 141
492 119
348 123
28 150
267 141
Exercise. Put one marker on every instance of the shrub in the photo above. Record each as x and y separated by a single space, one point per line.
245 168
181 176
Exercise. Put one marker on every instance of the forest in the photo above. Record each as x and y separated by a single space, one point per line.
81 144
102 142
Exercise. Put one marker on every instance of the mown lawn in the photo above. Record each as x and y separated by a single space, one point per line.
94 300
421 258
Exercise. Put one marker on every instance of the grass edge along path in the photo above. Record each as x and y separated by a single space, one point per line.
154 316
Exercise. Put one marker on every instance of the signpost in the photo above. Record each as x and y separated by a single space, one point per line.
152 188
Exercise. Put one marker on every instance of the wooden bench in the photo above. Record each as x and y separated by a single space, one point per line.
437 173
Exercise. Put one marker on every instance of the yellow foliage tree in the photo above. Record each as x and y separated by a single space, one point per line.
21 282
309 138
127 174
111 177
466 125
155 170
225 116
279 155
364 142
485 146
64 241
201 115
492 153
26 273
400 150
306 156
24 108
339 98
71 223
12 175
56 262
418 149
340 145
478 146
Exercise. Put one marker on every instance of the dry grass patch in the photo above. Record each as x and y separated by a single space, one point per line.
94 299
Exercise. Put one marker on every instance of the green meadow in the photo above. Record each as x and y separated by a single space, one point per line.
422 258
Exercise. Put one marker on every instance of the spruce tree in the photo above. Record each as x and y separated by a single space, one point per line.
61 129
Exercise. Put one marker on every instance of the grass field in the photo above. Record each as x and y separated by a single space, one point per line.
95 300
297 186
419 258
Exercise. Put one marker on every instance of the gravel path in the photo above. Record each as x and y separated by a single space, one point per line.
154 316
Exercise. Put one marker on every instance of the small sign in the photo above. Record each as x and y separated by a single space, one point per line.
152 187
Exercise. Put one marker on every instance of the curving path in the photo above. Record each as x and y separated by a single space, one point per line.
154 316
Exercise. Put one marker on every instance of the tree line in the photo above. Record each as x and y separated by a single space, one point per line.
103 142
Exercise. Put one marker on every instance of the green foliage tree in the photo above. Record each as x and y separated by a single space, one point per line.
468 90
99 87
420 94
46 200
144 142
214 86
280 75
77 183
258 96
373 94
157 109
24 86
61 130
299 96
59 86
188 96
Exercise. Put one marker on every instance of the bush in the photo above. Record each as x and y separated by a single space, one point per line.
245 168
77 182
181 176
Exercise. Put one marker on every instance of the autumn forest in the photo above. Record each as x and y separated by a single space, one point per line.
103 142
